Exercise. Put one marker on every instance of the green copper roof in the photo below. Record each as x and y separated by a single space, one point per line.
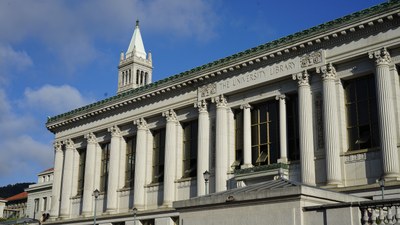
314 31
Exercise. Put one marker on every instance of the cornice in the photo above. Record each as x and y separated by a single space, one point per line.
291 44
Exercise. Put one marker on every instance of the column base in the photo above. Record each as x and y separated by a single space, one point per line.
245 166
392 177
110 211
63 217
167 205
87 214
333 185
283 160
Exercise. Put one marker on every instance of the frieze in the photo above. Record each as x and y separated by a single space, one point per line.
260 75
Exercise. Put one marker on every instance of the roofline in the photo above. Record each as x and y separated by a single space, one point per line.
276 48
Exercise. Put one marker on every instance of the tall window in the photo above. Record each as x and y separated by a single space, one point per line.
36 205
238 116
105 161
265 133
190 149
158 155
81 174
130 161
44 203
362 116
292 127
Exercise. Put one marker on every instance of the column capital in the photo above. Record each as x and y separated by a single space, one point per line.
69 144
170 115
280 97
220 101
382 56
302 78
57 146
328 71
141 124
245 106
115 131
201 105
91 138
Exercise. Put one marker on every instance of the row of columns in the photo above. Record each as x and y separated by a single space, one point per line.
331 135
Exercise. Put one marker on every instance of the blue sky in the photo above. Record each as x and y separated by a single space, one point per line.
57 55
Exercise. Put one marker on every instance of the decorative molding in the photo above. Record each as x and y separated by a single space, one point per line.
91 138
382 57
280 97
201 106
355 157
115 131
141 124
170 115
69 144
328 71
220 101
207 90
302 78
311 59
57 145
245 106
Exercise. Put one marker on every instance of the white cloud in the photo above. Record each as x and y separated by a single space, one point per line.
21 157
12 59
54 99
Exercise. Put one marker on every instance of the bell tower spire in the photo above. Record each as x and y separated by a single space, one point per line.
135 66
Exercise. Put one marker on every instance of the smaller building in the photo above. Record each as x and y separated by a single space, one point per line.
39 196
16 206
2 206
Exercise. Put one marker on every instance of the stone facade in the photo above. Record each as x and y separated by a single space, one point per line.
39 196
319 108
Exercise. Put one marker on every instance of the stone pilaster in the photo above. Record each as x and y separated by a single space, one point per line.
113 171
386 112
170 158
140 164
282 128
67 179
305 129
331 126
203 144
221 144
57 177
246 136
87 199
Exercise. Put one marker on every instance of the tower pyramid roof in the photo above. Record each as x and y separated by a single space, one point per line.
136 46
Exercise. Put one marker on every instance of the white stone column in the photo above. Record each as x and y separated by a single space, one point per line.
113 171
203 143
282 128
221 144
246 136
386 112
88 188
56 190
67 179
170 158
140 164
331 126
307 163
